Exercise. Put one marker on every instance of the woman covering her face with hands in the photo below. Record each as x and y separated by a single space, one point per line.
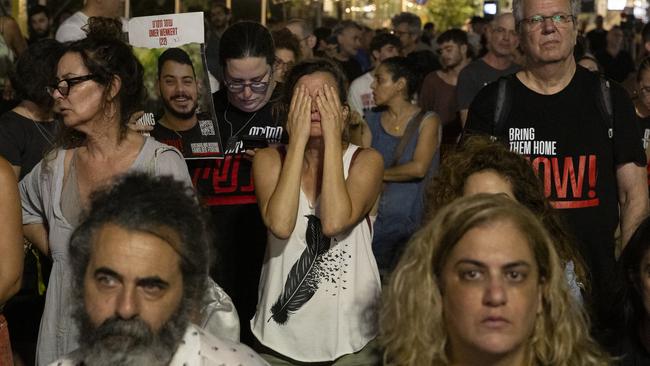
320 279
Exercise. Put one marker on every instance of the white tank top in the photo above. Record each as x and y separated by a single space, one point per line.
318 298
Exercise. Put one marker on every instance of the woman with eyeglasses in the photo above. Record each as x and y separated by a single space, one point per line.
98 86
246 123
287 53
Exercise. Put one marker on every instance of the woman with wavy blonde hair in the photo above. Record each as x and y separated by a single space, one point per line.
468 292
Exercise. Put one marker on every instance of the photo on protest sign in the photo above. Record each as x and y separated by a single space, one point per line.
178 90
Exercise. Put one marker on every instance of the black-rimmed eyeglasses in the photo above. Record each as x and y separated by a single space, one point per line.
64 85
256 86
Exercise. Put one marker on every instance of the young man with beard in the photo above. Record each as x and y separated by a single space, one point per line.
40 25
438 92
140 268
590 159
502 40
180 126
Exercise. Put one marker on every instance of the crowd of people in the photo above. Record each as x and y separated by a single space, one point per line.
390 196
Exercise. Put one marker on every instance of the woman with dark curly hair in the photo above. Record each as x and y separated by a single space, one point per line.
483 166
287 53
99 85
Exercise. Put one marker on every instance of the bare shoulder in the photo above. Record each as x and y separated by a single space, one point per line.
267 155
267 160
430 119
369 158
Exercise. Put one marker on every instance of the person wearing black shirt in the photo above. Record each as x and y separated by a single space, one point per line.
616 62
27 132
594 180
180 126
597 37
244 108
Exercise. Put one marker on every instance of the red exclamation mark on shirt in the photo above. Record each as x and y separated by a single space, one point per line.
592 176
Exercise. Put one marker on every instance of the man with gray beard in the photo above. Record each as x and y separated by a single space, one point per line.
140 269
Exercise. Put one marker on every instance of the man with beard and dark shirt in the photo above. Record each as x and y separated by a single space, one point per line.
180 126
592 164
438 91
140 268
40 25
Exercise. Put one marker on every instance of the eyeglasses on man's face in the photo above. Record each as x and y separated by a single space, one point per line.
536 21
255 86
64 85
280 63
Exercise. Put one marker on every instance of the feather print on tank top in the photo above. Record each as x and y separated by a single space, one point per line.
303 279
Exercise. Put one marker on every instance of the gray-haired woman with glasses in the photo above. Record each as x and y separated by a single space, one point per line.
98 87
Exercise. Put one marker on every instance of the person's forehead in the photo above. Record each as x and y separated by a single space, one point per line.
388 47
504 21
246 67
545 7
448 44
403 26
71 64
40 15
133 254
174 68
494 243
352 31
317 79
285 54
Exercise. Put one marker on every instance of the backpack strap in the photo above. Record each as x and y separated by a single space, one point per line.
502 107
413 125
605 104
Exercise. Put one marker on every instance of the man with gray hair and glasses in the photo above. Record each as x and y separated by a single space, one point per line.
579 132
408 28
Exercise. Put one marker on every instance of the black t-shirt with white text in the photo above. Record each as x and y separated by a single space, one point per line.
566 140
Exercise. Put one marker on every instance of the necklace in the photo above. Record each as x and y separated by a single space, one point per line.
232 140
400 122
44 132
